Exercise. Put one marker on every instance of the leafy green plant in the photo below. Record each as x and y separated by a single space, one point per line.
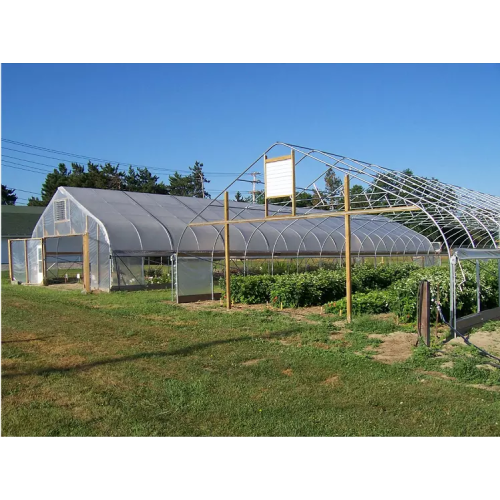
375 302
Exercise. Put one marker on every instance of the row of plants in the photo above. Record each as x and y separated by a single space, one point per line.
385 288
314 288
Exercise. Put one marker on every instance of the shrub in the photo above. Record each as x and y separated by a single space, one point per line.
374 302
311 289
367 277
385 288
250 289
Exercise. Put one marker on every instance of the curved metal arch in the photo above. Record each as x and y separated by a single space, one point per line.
369 167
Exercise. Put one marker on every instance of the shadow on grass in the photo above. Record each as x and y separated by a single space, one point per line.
26 340
185 351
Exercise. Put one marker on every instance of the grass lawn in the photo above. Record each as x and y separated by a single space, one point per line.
134 364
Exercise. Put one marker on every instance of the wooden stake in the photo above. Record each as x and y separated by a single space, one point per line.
347 219
227 250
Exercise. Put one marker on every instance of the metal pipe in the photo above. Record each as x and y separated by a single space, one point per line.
227 250
348 287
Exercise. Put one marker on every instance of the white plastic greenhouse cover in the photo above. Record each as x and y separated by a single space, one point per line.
141 224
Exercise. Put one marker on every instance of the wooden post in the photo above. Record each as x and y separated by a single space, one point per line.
266 208
11 274
294 201
97 265
44 264
424 319
26 260
347 219
86 263
226 251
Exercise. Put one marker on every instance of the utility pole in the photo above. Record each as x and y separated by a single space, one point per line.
254 183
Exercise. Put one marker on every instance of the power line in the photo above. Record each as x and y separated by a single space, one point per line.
23 190
26 170
29 161
10 162
74 155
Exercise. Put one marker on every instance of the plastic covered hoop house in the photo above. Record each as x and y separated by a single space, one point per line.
125 228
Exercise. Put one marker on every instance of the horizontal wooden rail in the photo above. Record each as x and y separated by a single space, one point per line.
309 216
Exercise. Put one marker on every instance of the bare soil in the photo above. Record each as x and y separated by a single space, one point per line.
66 286
395 347
489 341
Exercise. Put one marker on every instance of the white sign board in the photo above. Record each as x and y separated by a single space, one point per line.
279 178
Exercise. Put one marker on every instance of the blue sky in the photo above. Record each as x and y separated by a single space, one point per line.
438 120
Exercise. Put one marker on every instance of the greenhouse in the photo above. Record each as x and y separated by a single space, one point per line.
126 228
115 235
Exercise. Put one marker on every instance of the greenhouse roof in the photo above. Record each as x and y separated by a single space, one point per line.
150 224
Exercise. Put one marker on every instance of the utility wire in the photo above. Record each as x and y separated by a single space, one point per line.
74 155
24 191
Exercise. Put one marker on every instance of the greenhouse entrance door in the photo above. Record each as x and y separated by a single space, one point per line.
39 261
194 280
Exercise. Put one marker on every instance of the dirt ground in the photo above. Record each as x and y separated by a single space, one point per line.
395 347
489 341
66 286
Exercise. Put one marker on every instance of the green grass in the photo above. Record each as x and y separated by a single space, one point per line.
134 364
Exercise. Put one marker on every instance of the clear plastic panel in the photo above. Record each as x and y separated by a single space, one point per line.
35 265
38 231
103 261
48 221
18 256
93 254
77 218
129 271
194 277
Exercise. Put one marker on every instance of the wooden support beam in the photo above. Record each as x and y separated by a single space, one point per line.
227 250
294 200
347 223
26 260
86 263
11 274
98 249
44 263
266 206
325 215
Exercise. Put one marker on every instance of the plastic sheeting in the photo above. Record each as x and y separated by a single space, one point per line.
124 227
93 254
35 266
18 256
142 224
103 261
194 277
128 271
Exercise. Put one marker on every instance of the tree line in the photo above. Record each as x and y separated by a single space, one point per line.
109 176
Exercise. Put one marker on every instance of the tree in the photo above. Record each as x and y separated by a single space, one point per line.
199 180
34 201
9 196
180 185
238 196
143 181
59 177
189 185
333 185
